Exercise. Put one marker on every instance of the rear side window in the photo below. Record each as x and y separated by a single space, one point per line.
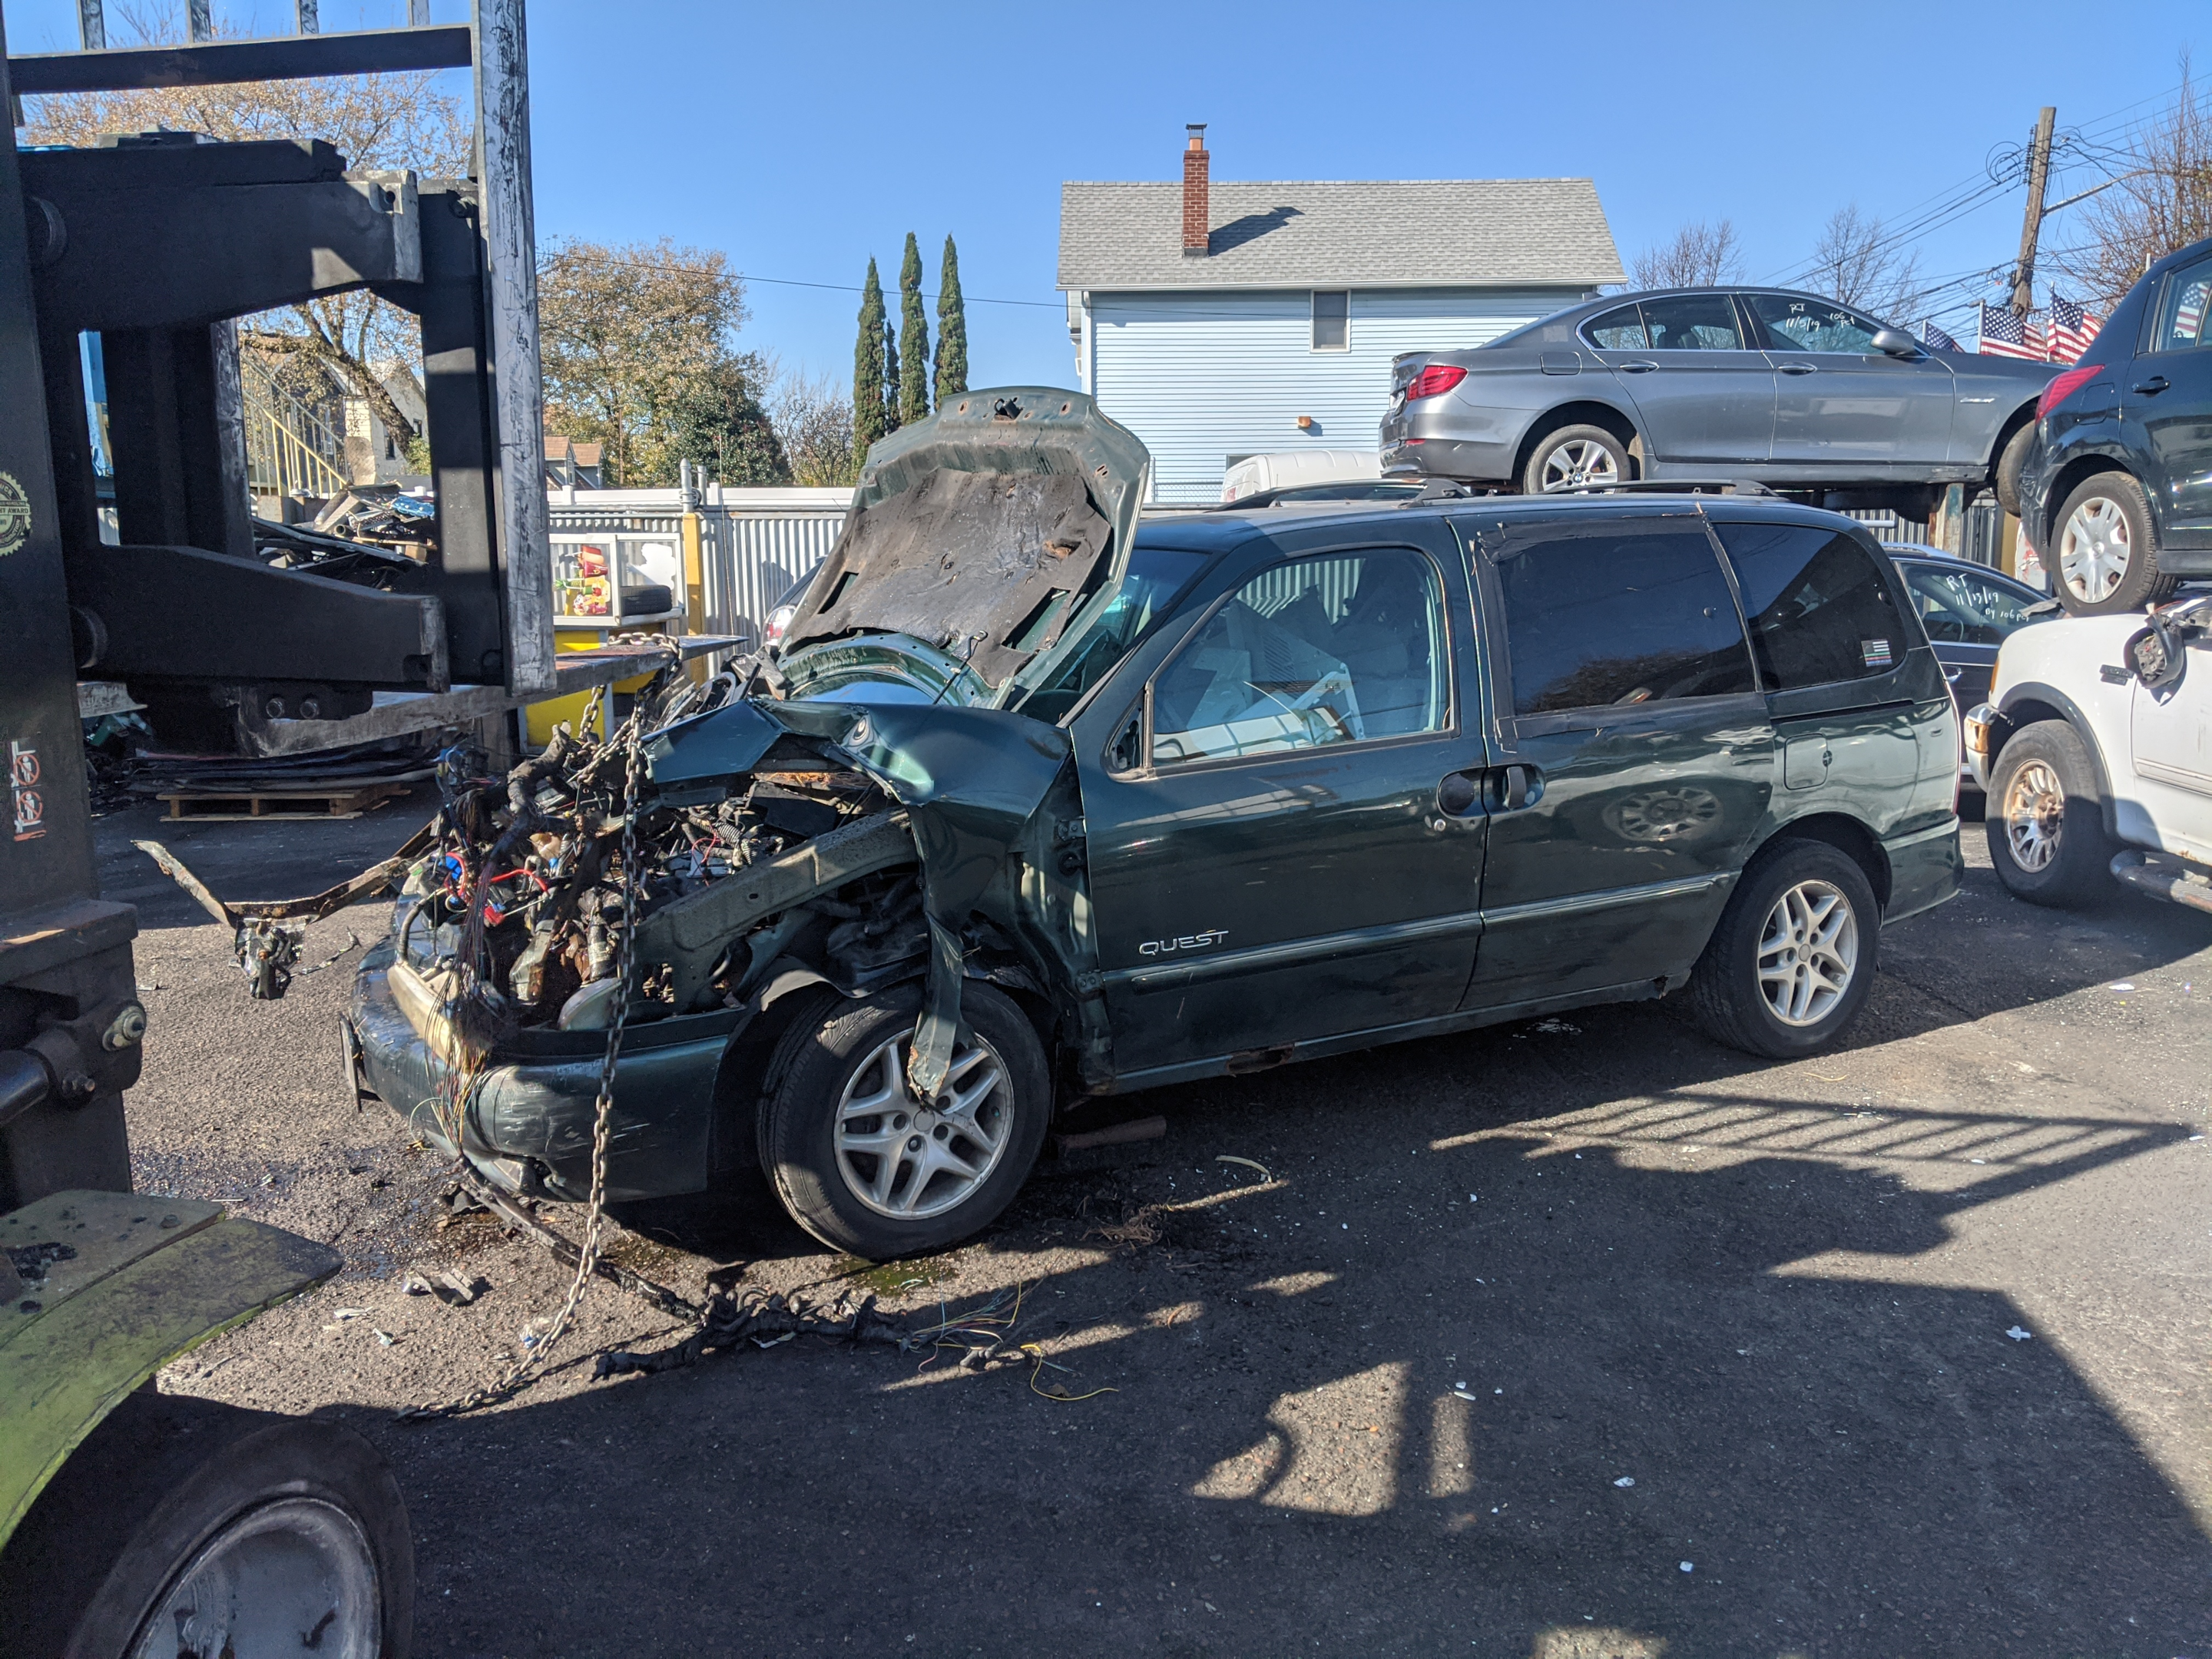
1620 615
1693 322
1822 607
1618 331
2182 318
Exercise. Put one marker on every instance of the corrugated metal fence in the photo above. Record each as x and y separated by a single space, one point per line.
755 543
1984 540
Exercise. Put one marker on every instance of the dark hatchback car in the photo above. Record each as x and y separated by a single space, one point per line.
1065 808
2115 491
1792 390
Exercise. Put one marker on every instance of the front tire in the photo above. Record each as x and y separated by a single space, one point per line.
2045 820
1576 458
1792 960
867 1168
2104 559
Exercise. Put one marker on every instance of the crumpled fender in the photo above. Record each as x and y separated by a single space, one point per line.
974 782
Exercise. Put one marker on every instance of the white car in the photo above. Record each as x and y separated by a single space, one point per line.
2094 751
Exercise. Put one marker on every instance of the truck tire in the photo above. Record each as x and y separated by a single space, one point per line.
1575 457
184 1525
2045 820
2012 460
2104 553
864 1166
1792 960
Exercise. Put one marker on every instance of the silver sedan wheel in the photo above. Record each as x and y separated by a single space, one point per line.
2093 550
1580 464
908 1159
290 1576
2034 811
1808 950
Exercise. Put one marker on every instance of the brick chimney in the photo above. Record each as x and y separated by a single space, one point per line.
1195 223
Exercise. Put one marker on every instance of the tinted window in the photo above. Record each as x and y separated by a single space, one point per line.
1801 324
1693 322
1618 331
1621 615
1332 320
1819 603
2181 317
1310 654
1968 607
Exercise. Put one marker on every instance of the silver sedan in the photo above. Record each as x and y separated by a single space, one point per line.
1789 389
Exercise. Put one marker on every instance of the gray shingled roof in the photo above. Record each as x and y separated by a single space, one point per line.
1412 233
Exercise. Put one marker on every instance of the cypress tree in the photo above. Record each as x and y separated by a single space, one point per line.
868 387
913 339
891 421
951 330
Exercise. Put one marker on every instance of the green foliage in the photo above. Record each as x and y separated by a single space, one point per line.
952 329
891 420
913 339
716 418
869 385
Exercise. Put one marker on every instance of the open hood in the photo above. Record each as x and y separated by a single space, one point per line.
978 540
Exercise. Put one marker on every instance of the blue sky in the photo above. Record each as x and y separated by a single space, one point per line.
746 127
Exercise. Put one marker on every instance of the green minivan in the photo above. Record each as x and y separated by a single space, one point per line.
1105 801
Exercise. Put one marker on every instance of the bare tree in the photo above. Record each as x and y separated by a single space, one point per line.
1701 256
382 121
2162 203
813 419
1856 262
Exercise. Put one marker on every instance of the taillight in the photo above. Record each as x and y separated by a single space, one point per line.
1435 379
2064 386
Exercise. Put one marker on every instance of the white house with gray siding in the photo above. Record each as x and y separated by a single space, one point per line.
1221 320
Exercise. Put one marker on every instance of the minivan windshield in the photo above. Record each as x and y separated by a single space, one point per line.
1156 577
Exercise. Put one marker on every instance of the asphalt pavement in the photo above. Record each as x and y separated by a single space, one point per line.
1578 1339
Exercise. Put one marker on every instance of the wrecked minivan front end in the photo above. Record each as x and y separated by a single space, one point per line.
875 811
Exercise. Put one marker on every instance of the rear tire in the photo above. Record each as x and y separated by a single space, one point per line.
2012 460
1576 458
2045 820
1792 960
2104 555
939 1177
181 1524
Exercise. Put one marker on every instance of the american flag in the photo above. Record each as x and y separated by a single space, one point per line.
2189 316
2072 328
1932 336
2005 334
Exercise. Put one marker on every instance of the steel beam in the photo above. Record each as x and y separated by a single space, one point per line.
216 62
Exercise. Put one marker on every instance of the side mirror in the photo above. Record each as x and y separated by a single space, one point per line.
1896 343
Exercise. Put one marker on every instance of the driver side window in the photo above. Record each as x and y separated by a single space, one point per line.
1347 648
1798 323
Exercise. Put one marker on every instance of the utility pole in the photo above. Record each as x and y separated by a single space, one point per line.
2038 176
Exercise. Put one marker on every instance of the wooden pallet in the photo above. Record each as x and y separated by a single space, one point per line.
240 806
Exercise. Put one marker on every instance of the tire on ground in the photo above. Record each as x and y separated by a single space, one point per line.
2045 816
1575 455
2012 460
2113 497
1729 998
820 1058
162 1478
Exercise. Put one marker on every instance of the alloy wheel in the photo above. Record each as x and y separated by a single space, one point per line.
907 1158
283 1578
2034 813
2093 551
1580 464
1808 950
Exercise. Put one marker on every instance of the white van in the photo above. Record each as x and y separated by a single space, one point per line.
1287 467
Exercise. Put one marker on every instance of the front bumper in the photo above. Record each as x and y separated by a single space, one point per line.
527 1124
1981 733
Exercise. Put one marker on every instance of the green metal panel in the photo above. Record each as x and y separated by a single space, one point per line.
150 1279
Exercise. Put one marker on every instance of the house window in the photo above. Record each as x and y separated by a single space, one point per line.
1332 320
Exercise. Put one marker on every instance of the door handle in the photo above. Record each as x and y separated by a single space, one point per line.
1642 366
2152 387
1952 674
1512 788
1797 368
